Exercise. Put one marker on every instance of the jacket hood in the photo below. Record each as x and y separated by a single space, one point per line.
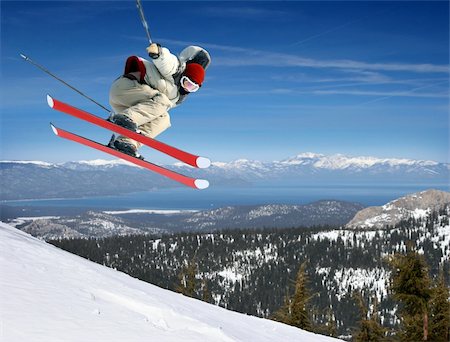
195 54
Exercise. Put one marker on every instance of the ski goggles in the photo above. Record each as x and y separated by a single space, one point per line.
189 85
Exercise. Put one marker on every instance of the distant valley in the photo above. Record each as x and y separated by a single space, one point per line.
250 270
247 256
134 222
335 214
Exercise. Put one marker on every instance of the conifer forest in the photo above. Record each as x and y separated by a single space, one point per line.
350 279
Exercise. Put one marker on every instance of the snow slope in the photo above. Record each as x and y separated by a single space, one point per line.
47 294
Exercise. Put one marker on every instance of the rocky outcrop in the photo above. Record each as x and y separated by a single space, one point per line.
415 205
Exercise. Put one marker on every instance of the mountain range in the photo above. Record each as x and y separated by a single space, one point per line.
334 167
34 180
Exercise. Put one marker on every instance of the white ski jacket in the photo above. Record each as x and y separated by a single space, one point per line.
147 100
164 73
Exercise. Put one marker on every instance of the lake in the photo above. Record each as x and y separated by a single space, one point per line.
215 197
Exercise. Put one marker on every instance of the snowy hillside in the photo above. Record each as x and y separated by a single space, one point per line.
50 295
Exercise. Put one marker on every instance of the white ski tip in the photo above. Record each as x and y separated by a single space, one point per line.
23 56
201 184
50 101
55 130
203 162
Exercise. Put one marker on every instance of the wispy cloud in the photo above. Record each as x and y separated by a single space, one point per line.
350 92
262 58
65 12
353 77
413 92
341 26
323 33
246 13
385 94
254 57
356 75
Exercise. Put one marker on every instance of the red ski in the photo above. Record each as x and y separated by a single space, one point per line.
185 157
188 181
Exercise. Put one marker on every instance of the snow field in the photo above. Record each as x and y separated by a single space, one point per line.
50 295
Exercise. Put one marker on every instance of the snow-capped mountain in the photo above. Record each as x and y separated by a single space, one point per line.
27 162
416 205
99 164
339 161
51 295
318 166
304 164
20 180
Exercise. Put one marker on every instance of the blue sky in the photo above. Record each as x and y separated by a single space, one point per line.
357 78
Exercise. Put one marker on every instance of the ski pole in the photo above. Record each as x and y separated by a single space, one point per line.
62 81
144 22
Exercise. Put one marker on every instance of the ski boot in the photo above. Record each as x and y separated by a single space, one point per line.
124 121
124 147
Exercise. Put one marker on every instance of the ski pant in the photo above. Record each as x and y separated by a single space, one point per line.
144 105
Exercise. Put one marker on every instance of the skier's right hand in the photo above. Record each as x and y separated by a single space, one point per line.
154 50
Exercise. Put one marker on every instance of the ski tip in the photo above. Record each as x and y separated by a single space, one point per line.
50 101
201 184
55 130
23 56
203 162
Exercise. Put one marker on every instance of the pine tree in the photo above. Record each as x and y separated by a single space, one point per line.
370 329
206 295
187 279
299 305
283 314
330 324
410 285
329 327
295 310
440 311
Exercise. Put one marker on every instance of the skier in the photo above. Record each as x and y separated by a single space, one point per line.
143 95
